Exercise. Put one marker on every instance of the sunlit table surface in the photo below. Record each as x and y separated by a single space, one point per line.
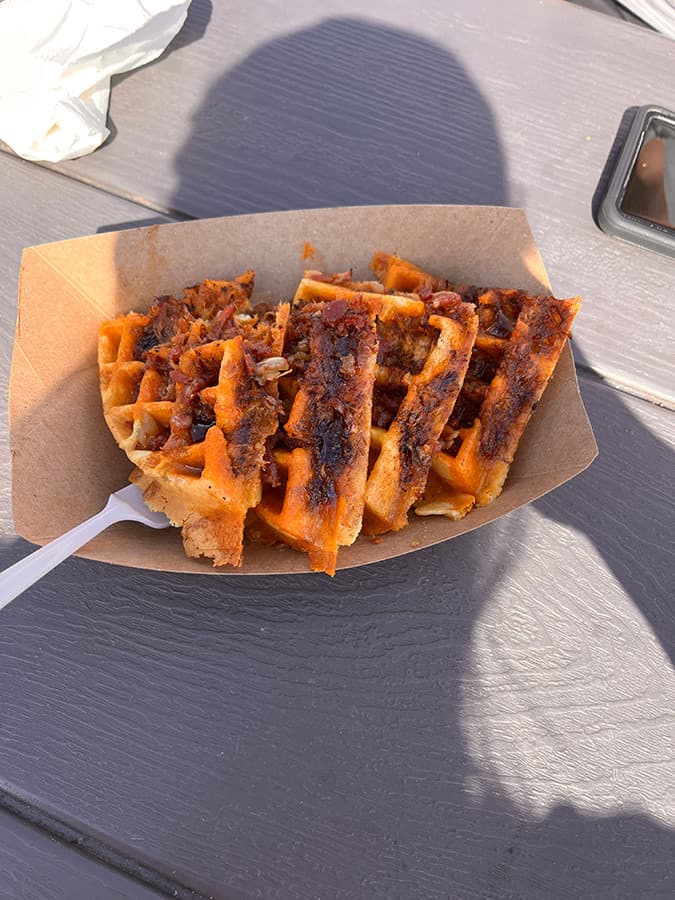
489 718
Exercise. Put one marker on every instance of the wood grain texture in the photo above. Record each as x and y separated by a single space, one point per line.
34 866
36 207
489 718
471 102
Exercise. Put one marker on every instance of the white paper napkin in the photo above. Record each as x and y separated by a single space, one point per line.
56 60
660 14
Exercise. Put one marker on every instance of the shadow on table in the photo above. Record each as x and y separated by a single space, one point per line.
316 740
343 113
633 522
350 112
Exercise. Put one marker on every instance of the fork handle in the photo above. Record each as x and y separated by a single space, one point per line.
20 576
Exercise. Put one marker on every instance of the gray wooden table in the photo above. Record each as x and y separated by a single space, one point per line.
492 718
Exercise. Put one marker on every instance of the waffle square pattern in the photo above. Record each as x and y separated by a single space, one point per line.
345 410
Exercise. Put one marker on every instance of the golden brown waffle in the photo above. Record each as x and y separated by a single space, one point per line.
519 340
319 508
167 377
423 354
306 424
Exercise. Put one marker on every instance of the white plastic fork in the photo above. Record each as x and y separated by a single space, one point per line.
125 505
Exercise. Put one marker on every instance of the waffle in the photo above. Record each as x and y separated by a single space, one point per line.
518 342
308 423
167 377
423 354
318 506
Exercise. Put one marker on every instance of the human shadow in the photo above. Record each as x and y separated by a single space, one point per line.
349 112
623 503
641 510
345 113
316 737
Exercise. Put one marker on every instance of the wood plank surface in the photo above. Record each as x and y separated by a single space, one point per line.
472 102
489 718
493 717
34 866
37 206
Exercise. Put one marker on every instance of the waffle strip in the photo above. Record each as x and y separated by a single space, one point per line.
194 414
308 423
329 430
519 340
400 472
427 361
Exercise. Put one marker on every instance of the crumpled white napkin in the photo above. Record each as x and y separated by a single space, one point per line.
56 60
660 14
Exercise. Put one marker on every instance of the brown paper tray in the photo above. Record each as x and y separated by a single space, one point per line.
65 461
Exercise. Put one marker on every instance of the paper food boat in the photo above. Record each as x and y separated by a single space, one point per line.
65 461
